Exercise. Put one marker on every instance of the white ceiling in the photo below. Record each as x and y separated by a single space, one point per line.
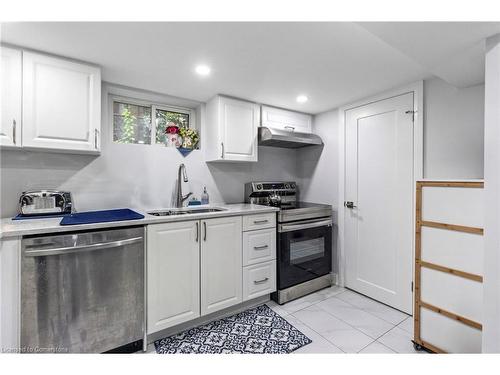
332 63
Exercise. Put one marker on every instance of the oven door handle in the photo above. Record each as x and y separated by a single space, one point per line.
298 226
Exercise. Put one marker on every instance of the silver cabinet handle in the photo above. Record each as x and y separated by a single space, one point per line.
222 150
292 128
197 231
78 249
14 130
261 247
204 231
260 221
261 281
96 132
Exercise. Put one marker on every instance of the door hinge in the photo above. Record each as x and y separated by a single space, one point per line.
412 286
412 114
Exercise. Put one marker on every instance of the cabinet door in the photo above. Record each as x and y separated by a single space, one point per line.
11 86
239 121
221 263
173 277
286 120
61 104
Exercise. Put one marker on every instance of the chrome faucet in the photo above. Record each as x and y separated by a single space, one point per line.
179 197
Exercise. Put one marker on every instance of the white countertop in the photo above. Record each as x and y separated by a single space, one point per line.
15 228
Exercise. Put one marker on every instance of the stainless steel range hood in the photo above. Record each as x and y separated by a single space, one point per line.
287 139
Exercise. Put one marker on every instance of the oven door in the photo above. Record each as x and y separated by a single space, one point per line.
304 251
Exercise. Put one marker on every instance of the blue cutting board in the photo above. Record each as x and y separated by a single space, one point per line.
105 216
28 217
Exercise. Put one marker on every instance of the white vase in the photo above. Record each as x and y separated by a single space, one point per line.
174 140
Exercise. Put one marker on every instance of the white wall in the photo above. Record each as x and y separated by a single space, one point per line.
318 170
136 176
318 166
453 130
453 142
491 285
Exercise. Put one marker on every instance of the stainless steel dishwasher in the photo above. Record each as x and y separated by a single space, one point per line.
83 292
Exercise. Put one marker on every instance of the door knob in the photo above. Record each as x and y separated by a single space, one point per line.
349 204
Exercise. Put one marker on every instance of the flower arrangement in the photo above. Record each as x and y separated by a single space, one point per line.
173 137
190 137
172 128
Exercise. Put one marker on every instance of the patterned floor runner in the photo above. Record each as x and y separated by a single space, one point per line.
257 330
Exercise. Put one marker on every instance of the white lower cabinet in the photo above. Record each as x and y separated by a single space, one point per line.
173 274
221 263
259 255
198 267
259 279
194 268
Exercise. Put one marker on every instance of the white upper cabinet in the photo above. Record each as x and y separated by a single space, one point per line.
11 86
61 104
231 130
286 120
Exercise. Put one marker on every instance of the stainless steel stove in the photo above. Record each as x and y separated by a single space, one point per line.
304 239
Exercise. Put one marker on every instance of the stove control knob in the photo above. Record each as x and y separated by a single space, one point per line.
293 186
287 186
259 186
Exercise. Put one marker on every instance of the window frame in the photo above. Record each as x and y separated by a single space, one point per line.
154 105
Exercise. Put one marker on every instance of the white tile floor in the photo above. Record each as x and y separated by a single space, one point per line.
338 320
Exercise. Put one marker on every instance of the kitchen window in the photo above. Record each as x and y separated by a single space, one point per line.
139 122
131 123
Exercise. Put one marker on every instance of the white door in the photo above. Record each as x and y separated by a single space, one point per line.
379 183
221 263
239 124
61 104
173 263
11 86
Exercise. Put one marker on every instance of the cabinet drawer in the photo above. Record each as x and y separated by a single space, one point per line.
259 279
259 246
253 222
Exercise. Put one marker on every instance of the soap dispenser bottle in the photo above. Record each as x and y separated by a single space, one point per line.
204 196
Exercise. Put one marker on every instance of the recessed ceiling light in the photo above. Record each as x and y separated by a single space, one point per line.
302 99
202 70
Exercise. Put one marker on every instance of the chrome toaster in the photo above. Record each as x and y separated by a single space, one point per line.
45 202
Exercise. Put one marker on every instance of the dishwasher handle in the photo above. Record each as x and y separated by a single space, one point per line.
79 249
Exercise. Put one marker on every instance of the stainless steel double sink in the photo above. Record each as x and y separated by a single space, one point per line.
186 211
